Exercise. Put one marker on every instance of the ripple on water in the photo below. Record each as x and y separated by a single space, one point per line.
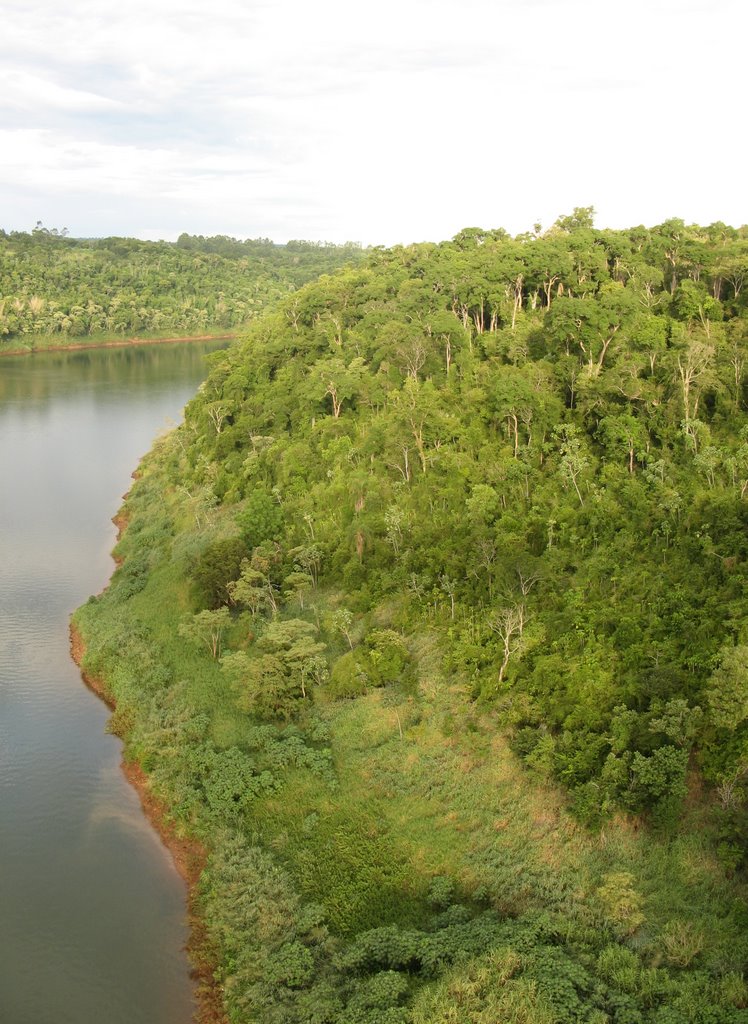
92 926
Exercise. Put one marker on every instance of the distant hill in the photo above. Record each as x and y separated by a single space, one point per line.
62 289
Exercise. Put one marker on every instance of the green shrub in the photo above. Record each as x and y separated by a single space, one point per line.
619 967
217 566
388 657
441 892
621 903
349 676
682 942
260 519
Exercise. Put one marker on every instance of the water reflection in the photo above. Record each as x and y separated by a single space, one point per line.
92 923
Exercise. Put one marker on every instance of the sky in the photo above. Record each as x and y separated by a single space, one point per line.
381 123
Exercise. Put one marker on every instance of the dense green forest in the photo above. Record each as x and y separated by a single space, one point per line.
431 625
59 289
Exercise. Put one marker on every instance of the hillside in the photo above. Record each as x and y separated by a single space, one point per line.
431 625
57 290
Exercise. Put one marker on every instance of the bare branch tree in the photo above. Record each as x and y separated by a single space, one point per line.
509 624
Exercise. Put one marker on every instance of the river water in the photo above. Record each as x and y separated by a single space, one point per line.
92 911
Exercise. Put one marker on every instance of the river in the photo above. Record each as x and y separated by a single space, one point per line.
92 911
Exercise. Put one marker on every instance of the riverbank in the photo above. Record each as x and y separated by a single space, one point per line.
36 346
332 839
189 857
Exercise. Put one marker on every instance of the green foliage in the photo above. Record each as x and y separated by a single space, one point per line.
260 518
291 662
659 779
263 687
60 289
621 903
495 485
387 656
441 892
132 577
382 659
682 943
206 628
350 675
272 944
727 689
217 567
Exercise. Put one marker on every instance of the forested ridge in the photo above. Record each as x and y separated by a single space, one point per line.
431 624
60 289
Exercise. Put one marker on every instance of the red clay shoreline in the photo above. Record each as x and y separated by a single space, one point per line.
189 855
117 343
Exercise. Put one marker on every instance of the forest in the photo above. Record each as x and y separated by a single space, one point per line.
55 289
430 625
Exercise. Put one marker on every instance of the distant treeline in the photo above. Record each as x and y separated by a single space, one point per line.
55 286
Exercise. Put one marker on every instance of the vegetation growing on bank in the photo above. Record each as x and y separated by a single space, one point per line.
432 625
56 290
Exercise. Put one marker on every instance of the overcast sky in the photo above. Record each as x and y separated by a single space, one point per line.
394 121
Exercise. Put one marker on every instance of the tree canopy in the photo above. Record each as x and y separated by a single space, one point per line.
52 285
455 494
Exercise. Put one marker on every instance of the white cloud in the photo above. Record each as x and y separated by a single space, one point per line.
28 91
404 120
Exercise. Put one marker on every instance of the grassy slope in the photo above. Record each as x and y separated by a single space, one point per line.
455 886
424 787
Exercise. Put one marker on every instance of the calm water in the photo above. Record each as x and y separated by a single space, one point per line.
92 912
